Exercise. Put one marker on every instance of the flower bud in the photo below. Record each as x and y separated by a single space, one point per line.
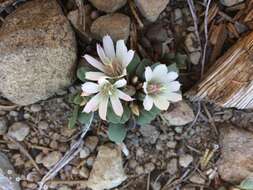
135 109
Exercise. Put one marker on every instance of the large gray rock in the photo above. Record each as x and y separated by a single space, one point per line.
37 52
108 6
107 171
151 9
236 159
8 177
116 25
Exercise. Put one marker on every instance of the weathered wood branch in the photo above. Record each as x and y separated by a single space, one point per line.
229 82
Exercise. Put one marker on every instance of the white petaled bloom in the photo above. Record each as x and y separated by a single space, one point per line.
105 92
160 87
112 63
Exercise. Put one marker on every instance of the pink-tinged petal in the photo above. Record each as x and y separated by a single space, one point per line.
173 86
148 103
128 57
121 49
108 47
148 73
174 97
94 76
95 63
120 83
90 87
161 103
116 105
102 111
171 76
124 96
102 55
92 104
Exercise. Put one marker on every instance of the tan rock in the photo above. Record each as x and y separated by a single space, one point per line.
37 52
116 25
151 9
107 171
179 113
236 159
108 6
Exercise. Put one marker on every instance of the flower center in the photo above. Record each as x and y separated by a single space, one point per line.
107 89
114 68
155 88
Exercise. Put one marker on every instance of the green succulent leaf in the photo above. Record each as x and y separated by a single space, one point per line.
81 73
173 67
84 118
131 68
117 133
78 99
73 119
147 116
180 60
247 184
141 67
113 118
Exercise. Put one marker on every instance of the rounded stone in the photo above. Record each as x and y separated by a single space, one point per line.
116 25
108 6
19 131
37 56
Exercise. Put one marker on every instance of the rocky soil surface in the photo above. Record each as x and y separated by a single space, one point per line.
40 46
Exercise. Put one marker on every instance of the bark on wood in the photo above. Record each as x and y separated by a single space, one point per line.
229 82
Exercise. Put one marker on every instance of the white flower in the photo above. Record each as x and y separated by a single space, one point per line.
160 88
105 92
113 64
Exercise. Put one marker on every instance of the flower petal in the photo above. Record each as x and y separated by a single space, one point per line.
160 73
120 83
171 76
173 86
148 103
90 87
103 108
148 73
116 105
145 86
174 97
95 63
108 47
121 49
102 55
92 104
94 76
124 96
161 103
102 82
128 57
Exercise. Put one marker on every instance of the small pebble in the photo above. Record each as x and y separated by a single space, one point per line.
84 172
132 164
149 167
90 161
139 170
91 142
139 152
3 125
19 131
84 153
172 166
171 144
35 108
43 125
51 159
185 160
